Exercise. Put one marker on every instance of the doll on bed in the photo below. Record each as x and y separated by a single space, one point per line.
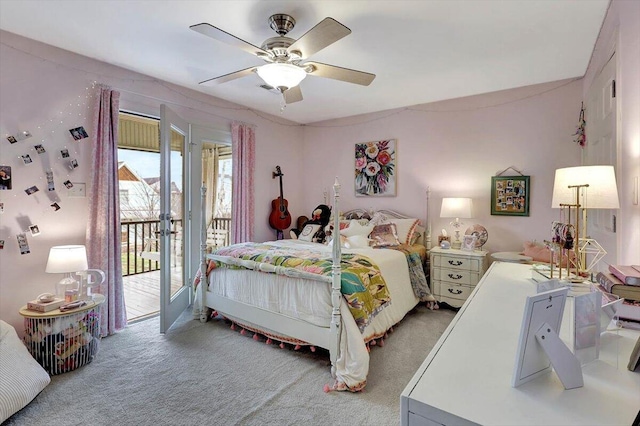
313 229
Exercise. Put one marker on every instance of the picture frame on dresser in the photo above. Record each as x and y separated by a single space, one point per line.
510 195
469 243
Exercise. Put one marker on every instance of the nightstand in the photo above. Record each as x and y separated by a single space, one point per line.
455 273
63 341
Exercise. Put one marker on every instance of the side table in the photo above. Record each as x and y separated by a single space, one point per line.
63 341
455 273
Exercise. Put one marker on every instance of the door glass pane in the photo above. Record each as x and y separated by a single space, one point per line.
177 240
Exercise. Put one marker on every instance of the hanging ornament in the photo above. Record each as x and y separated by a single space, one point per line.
580 135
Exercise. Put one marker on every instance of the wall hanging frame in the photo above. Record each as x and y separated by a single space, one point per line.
510 194
375 168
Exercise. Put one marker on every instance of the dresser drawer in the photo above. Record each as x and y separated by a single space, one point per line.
457 276
445 290
453 262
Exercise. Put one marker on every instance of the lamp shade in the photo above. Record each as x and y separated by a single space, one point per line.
456 207
65 259
280 75
602 192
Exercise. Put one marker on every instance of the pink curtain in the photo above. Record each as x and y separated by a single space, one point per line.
103 229
243 143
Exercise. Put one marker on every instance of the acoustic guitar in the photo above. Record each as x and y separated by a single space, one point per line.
279 219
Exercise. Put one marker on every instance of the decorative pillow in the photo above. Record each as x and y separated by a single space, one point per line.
309 232
357 241
405 229
537 252
417 233
22 377
385 235
355 228
379 219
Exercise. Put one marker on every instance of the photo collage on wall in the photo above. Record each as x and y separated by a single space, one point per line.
510 195
8 178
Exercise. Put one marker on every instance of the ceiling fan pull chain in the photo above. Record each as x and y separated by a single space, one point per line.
283 104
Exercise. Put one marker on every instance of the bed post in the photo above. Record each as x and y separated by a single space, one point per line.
204 279
336 284
427 226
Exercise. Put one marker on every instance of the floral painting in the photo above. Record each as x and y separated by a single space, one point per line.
376 168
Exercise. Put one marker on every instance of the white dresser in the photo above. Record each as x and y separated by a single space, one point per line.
466 378
455 273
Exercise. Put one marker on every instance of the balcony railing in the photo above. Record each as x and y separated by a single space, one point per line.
142 235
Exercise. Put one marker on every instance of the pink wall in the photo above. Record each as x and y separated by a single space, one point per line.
42 86
621 31
454 147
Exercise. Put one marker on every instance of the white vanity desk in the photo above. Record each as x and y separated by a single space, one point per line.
466 378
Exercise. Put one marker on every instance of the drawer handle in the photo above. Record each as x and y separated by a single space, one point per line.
455 262
452 291
455 277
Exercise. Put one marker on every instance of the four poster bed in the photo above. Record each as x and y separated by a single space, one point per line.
306 293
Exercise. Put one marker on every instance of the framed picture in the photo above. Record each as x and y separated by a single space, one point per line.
469 242
375 169
510 195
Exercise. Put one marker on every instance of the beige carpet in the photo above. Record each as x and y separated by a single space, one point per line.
208 374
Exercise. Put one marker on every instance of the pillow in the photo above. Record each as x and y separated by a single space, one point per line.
538 252
22 377
357 241
355 228
385 235
405 229
417 233
309 232
379 219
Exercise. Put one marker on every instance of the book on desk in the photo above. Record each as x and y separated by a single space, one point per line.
44 307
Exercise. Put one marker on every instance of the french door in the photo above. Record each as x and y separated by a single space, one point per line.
180 199
602 149
175 203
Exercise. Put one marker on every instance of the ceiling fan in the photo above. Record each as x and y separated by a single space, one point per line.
285 57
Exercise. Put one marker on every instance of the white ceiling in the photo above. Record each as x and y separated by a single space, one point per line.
421 51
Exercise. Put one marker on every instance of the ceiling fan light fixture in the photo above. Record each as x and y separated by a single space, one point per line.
281 75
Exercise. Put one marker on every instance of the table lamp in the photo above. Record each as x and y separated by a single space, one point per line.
66 260
582 188
456 208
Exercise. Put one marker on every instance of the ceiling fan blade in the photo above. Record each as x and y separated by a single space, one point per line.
326 32
292 95
231 76
223 36
339 73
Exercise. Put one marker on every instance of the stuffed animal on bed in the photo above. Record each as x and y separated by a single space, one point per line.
313 229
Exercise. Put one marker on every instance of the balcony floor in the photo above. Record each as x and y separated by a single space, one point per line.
142 292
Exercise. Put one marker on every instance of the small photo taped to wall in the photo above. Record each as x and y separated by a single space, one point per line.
26 159
78 133
55 207
5 178
12 139
64 153
73 164
1 244
1 207
68 184
23 243
40 149
35 230
31 190
50 184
